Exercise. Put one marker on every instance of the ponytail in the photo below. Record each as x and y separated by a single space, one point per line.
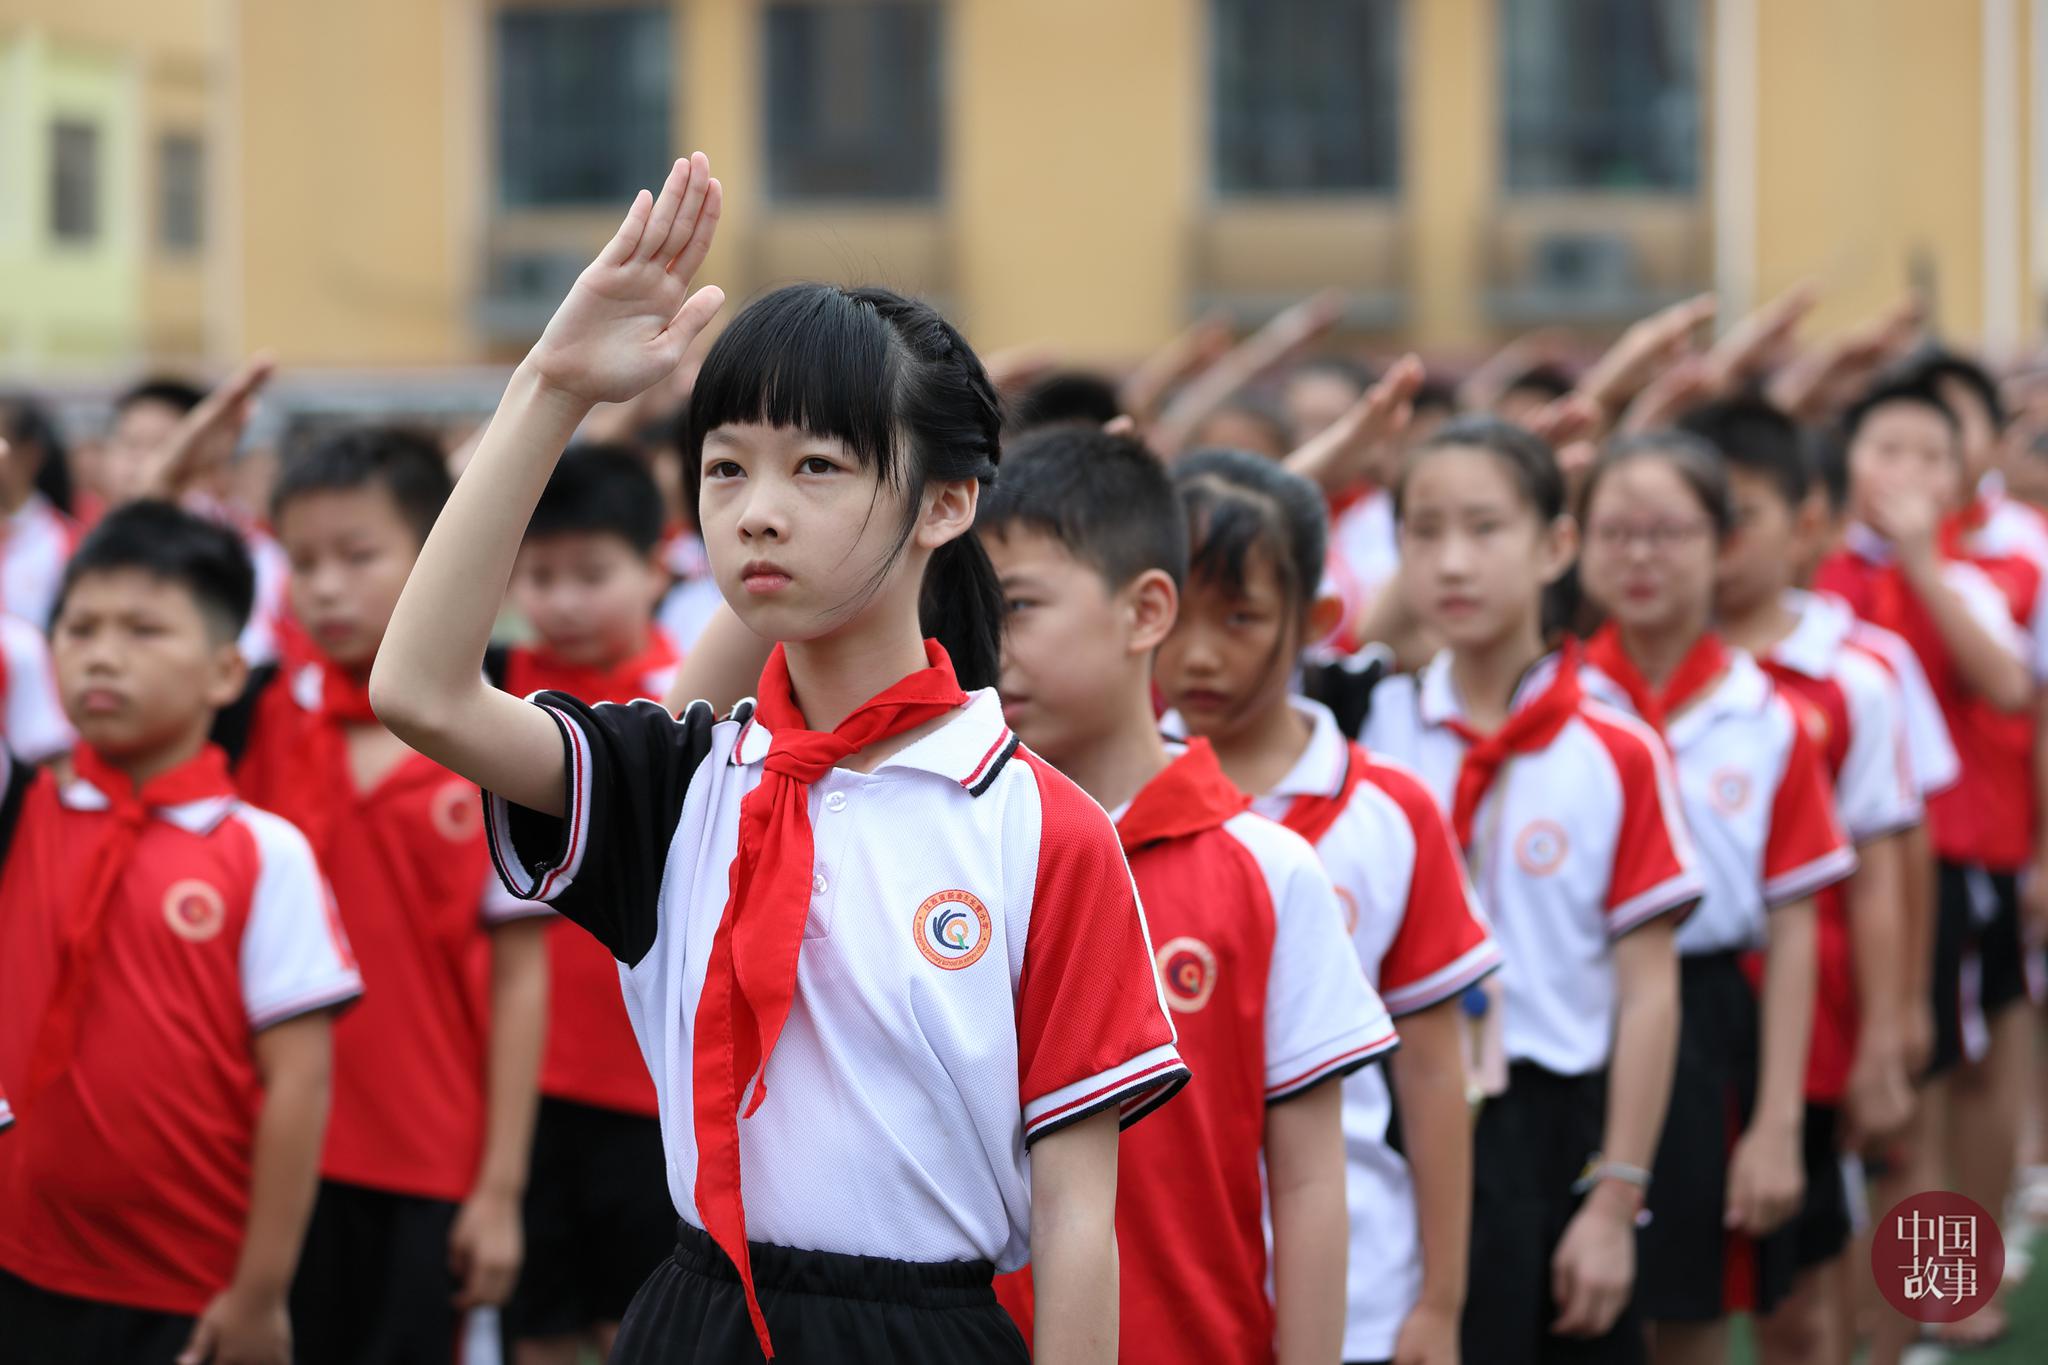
962 608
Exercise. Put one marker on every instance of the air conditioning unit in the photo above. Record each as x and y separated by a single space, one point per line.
522 289
1583 264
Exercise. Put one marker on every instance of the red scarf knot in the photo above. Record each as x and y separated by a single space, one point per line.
1698 671
1528 728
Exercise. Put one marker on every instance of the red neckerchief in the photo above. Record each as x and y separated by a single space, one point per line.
750 978
1190 795
1528 729
82 933
1311 814
306 779
623 681
1958 527
1702 665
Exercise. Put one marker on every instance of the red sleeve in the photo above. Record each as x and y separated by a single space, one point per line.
1092 1029
1806 849
1443 943
1655 868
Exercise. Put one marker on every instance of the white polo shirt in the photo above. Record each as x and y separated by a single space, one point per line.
1930 751
36 541
1756 796
1868 740
1422 939
32 720
914 1067
1574 845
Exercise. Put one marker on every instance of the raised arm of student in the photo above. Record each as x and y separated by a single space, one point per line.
1311 1224
1073 1243
1990 666
625 325
1766 1172
486 1245
247 1324
1594 1270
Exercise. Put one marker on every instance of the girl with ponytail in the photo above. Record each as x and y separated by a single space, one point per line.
874 952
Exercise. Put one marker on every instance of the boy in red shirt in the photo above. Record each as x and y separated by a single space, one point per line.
1268 999
597 1213
434 1080
173 964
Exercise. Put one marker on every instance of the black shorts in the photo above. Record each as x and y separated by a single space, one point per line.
39 1327
1821 1230
598 1219
1529 1149
821 1307
1982 965
373 1286
1693 1269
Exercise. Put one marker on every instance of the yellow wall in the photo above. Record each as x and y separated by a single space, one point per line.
1075 203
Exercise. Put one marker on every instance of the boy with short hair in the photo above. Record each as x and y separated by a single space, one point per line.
426 1161
597 1215
1857 1085
173 964
1090 542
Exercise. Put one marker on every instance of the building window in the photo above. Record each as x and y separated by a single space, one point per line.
853 100
74 181
1306 96
1602 94
181 190
583 103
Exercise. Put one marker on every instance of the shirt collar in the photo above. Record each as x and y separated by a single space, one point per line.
194 817
1321 769
970 748
1743 690
1865 543
1438 693
1816 637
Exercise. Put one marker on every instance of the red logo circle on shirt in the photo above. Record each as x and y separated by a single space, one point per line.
1187 967
1937 1256
194 910
1540 847
1729 790
952 930
1350 904
457 812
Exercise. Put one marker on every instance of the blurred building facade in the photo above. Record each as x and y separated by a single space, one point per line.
402 182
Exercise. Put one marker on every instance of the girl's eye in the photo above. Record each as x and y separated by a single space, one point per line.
1243 620
1485 528
817 464
721 469
1013 605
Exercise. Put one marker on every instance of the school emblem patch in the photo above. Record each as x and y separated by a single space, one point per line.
1187 968
194 910
1540 847
952 929
1729 790
457 812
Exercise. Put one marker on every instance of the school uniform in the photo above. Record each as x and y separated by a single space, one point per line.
32 722
1982 824
1855 708
36 541
1418 932
905 942
1363 558
1574 835
597 1215
148 938
410 877
1268 1004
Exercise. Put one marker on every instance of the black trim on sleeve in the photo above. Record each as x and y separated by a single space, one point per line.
1161 1090
336 1004
1336 1073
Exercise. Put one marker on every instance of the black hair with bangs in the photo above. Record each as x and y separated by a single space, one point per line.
1237 503
1105 498
893 381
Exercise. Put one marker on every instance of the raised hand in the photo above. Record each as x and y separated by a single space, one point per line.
630 315
1644 351
204 438
1360 444
1759 341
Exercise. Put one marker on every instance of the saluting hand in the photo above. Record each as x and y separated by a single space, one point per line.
630 315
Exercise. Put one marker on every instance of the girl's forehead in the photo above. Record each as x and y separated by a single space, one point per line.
1643 482
1461 474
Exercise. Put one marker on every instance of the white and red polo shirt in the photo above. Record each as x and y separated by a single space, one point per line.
1860 709
1756 796
412 878
915 1067
128 1180
36 541
591 1055
1574 845
33 725
1422 939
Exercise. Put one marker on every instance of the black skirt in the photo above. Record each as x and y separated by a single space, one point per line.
820 1306
1693 1269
